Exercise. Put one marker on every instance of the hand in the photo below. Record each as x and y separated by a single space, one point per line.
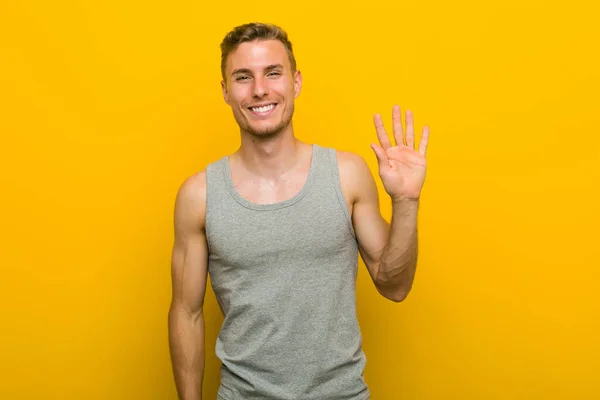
401 167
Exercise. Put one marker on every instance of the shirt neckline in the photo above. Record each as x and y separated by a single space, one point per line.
272 206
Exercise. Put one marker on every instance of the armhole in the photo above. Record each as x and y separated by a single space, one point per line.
207 214
337 183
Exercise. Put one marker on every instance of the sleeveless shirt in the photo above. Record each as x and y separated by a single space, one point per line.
284 276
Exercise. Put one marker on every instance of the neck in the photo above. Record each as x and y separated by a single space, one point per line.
270 158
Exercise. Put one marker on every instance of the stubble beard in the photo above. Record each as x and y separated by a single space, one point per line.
270 132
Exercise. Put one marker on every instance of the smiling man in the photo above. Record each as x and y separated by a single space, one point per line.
279 225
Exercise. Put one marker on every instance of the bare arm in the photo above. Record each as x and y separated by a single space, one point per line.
398 261
188 273
389 251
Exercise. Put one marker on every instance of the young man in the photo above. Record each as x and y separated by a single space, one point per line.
279 225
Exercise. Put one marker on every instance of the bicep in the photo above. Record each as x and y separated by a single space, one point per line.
369 225
189 260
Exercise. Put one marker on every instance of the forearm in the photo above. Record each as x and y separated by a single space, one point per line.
186 340
398 262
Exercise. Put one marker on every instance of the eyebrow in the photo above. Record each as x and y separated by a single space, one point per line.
247 71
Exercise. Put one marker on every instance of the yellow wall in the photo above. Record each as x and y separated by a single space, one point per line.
106 106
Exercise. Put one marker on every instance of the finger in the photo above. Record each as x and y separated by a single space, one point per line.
410 132
381 155
381 133
424 141
397 122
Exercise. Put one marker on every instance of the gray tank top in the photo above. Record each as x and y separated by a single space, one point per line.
284 276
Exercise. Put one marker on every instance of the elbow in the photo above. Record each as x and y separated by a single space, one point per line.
397 284
179 311
397 294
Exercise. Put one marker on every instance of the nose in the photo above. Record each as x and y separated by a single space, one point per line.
259 87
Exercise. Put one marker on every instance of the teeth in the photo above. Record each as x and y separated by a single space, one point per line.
263 109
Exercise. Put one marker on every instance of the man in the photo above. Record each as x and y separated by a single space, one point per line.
279 225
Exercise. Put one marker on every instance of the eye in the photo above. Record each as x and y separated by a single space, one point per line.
273 73
241 78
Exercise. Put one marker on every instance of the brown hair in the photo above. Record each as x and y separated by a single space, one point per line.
250 32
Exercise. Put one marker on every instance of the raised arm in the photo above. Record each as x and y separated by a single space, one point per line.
188 274
389 250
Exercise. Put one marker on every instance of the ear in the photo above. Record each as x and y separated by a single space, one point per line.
224 90
297 83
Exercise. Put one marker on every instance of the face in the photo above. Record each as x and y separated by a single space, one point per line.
260 87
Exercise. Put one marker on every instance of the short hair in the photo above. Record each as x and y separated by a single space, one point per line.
254 31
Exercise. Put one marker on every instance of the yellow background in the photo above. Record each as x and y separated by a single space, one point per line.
106 106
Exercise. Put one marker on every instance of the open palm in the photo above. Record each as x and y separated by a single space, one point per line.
401 167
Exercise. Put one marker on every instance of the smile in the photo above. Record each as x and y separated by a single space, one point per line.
263 110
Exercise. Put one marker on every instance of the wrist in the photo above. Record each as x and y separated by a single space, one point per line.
405 201
407 207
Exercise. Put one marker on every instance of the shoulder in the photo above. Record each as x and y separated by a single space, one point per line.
190 200
193 187
350 162
355 174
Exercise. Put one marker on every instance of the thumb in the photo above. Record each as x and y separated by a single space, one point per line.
380 154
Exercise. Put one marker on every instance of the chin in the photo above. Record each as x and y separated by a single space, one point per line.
267 128
271 129
266 132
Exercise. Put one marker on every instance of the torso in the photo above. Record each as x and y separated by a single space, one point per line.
319 261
